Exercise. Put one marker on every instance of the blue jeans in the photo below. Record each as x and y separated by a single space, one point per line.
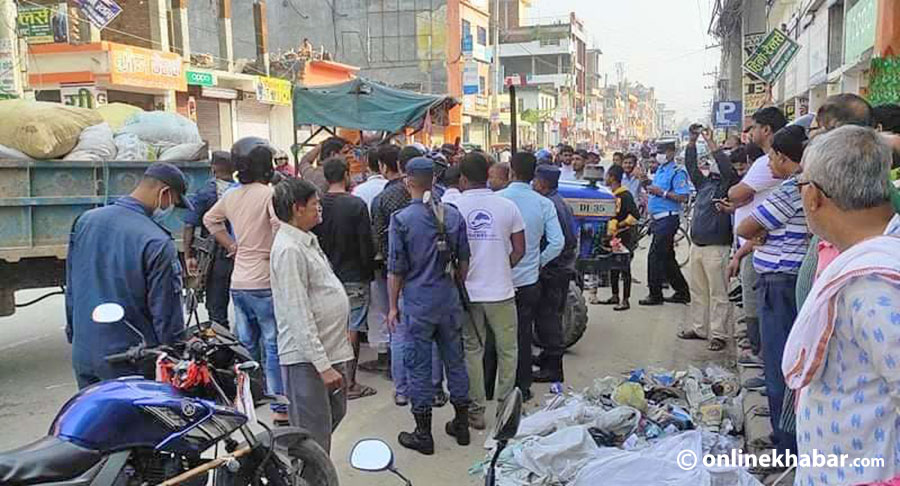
445 332
402 342
777 309
255 323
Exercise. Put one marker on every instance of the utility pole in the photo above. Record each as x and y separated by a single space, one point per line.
495 67
11 71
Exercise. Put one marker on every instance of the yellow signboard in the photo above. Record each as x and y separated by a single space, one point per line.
273 91
145 68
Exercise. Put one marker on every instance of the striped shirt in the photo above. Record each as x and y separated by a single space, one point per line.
781 214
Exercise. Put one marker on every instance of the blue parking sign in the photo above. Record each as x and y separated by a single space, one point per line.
727 114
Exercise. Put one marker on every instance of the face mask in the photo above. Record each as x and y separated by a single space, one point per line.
160 214
661 158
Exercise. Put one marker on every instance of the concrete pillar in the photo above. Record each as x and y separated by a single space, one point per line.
261 28
226 37
181 39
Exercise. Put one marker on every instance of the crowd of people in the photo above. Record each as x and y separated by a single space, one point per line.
449 262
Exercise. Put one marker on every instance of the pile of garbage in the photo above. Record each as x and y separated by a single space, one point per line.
642 428
36 130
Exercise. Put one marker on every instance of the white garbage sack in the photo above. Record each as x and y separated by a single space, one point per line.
186 151
559 456
163 129
131 147
620 421
545 422
95 143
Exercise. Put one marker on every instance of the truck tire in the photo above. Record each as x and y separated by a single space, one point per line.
575 318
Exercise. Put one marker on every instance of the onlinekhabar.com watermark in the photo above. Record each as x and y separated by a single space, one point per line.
687 460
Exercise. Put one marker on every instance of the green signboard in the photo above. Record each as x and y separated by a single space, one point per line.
771 58
859 30
198 78
42 25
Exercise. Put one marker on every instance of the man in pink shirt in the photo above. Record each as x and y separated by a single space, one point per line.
249 210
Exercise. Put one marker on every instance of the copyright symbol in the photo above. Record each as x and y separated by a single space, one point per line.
687 459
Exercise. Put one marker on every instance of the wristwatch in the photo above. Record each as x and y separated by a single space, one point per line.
665 194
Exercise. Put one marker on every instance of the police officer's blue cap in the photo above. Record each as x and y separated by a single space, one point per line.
548 172
543 154
420 166
171 176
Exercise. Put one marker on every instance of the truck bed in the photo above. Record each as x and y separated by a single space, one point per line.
39 200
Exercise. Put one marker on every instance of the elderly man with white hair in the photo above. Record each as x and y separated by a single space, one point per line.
842 357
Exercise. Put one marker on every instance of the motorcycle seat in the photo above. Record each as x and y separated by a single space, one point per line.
47 460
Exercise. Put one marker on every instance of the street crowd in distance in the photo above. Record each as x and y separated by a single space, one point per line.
449 262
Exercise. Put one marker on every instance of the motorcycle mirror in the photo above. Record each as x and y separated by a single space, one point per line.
108 313
371 455
509 414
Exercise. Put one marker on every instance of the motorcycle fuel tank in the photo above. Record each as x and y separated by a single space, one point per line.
133 412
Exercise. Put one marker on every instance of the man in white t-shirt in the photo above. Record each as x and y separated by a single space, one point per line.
753 189
496 234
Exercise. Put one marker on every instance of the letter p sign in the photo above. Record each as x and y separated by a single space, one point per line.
727 114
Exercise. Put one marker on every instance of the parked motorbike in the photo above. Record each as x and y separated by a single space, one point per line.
375 455
176 430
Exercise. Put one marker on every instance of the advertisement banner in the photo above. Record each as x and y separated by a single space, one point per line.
755 94
83 96
136 66
771 58
99 12
200 78
273 91
7 70
44 25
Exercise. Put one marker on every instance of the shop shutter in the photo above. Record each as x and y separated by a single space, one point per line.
253 119
208 122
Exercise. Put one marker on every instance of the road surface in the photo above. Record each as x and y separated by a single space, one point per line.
36 380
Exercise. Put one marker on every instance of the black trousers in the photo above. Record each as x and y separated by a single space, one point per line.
528 301
625 276
218 287
661 263
548 324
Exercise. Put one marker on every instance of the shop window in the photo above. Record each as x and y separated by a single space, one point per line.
482 36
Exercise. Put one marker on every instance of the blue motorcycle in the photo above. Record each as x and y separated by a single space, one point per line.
180 429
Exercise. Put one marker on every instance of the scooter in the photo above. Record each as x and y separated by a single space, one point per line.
375 455
137 432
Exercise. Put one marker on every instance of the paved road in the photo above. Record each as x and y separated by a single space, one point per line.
36 379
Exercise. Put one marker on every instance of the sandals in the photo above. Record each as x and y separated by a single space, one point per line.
361 391
716 345
690 335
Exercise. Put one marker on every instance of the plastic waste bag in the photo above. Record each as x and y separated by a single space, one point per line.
559 456
162 129
546 422
620 421
116 114
186 151
631 394
95 143
130 147
11 153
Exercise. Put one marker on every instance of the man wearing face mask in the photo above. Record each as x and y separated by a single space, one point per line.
121 253
668 191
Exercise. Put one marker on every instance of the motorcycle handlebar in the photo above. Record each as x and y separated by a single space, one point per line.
119 358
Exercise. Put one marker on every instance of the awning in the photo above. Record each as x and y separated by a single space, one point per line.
363 104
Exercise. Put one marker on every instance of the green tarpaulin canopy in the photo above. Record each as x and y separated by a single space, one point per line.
363 104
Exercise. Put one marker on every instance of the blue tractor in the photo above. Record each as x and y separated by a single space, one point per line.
593 205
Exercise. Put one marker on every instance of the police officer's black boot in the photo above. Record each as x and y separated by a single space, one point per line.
459 426
420 440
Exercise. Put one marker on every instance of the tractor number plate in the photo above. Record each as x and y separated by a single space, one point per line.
593 208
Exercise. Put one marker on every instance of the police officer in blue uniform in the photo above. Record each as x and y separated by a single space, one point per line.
668 191
122 254
428 255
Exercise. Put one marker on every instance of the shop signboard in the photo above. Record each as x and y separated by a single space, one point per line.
859 30
200 78
145 68
470 78
273 91
7 70
772 57
755 94
43 25
99 12
84 96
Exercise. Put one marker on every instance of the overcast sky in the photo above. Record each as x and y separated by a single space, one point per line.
661 43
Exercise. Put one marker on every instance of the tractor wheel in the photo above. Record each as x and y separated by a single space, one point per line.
575 318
